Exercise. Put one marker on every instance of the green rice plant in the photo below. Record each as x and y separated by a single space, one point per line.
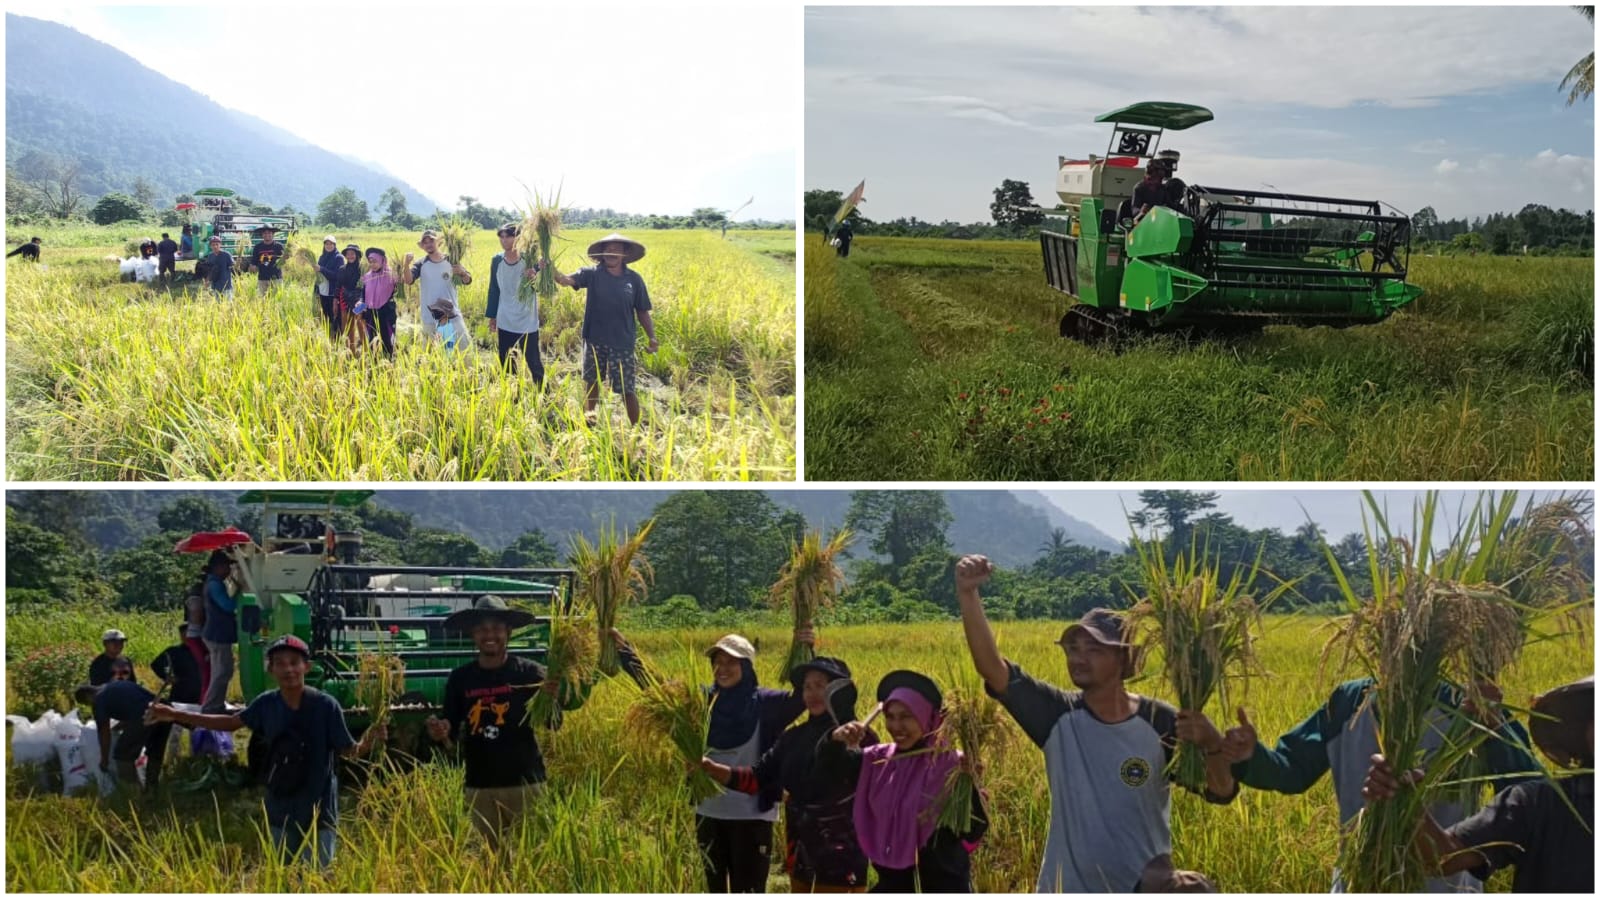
612 572
678 712
572 659
541 225
809 581
1432 622
1203 625
456 234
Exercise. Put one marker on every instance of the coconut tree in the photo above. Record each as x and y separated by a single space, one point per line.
1580 78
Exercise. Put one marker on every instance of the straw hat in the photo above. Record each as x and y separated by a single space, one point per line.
633 253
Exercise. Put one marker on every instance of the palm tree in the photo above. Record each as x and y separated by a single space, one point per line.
1581 76
1058 541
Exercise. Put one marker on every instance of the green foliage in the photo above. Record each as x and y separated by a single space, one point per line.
343 209
44 679
722 546
1007 198
530 550
428 546
114 207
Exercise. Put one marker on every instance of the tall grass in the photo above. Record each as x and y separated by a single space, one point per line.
941 360
109 381
616 817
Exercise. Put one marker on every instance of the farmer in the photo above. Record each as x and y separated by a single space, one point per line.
167 252
347 295
844 234
194 614
327 291
898 786
218 269
514 318
1104 748
617 296
113 642
1152 191
1342 736
178 670
29 251
186 243
823 855
123 700
377 293
265 259
1173 186
436 274
1542 827
304 730
221 631
486 716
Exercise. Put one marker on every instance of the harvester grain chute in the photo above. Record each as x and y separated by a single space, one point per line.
1212 258
305 579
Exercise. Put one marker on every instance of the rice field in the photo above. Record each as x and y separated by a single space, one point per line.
941 360
616 818
113 381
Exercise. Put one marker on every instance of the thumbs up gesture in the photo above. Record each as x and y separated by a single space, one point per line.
1239 743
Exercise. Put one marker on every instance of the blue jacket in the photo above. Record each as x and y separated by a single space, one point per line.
221 623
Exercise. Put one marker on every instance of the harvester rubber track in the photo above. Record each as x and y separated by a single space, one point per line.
1087 324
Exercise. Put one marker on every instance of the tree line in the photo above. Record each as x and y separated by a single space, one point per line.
713 553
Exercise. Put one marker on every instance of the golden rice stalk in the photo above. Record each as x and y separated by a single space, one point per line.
457 236
1202 624
810 581
677 712
612 572
972 724
1431 624
380 680
396 263
571 660
541 225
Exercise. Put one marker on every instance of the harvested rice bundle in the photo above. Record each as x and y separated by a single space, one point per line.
678 712
540 227
972 724
457 236
380 680
810 581
1421 630
611 573
396 262
1202 625
571 659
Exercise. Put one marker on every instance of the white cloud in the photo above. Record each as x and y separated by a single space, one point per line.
1446 166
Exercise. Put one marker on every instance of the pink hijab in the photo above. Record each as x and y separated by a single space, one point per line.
380 285
896 804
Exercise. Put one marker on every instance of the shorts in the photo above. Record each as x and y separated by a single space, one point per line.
616 362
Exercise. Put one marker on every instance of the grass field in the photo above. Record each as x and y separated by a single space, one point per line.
941 360
615 819
112 381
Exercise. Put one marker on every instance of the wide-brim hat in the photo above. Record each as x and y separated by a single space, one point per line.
633 253
1560 721
488 608
911 680
351 248
262 229
734 645
832 667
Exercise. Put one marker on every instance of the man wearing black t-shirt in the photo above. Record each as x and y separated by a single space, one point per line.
486 717
266 259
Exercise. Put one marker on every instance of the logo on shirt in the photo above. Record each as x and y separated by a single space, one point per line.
1135 771
485 707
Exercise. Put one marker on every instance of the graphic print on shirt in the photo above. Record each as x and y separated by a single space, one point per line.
1135 771
488 712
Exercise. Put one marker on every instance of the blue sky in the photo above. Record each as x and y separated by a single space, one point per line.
638 108
1337 511
1453 107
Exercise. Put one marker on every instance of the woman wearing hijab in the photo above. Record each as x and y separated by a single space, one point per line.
376 307
347 294
898 785
734 829
823 855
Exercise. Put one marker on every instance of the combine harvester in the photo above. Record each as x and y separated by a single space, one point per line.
1224 259
304 579
213 213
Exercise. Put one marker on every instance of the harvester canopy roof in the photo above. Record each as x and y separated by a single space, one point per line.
347 498
1159 114
213 192
206 541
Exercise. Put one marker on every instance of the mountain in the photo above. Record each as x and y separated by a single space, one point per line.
75 98
1005 525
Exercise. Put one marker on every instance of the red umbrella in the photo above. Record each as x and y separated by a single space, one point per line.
206 541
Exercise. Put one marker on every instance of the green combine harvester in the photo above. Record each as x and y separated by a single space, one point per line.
1216 258
214 212
304 579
